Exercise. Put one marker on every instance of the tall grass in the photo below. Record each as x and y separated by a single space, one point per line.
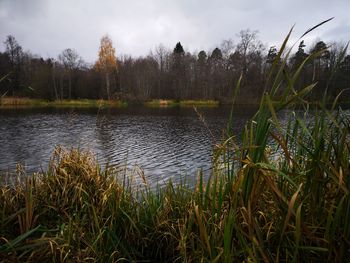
278 194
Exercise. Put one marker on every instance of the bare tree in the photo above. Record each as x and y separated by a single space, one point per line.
71 61
249 47
161 55
15 53
227 48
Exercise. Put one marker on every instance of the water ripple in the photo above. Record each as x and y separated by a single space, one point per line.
166 143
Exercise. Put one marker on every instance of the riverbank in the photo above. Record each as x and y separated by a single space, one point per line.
15 102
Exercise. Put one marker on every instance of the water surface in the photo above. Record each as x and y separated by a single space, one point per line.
165 143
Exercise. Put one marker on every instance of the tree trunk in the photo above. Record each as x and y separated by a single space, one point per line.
70 85
61 84
108 86
54 84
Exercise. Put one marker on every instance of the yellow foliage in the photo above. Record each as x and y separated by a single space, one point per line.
107 60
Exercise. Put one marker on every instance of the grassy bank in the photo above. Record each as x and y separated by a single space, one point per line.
13 102
181 103
160 103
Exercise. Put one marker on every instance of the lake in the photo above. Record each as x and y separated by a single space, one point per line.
164 142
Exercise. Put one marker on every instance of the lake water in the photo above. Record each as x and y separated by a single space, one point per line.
164 142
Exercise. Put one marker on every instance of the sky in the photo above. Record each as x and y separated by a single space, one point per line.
47 27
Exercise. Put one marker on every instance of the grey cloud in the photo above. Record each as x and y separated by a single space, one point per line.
46 27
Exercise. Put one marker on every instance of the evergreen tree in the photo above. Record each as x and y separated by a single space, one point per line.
272 55
300 55
179 49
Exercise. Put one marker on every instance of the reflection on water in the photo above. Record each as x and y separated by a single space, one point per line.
165 143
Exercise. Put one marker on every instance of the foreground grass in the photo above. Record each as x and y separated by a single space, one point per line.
11 102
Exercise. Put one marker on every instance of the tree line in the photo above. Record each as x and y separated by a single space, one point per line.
168 73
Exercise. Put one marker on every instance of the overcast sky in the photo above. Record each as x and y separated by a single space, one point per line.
46 27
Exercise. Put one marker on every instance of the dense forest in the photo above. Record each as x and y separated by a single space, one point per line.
168 73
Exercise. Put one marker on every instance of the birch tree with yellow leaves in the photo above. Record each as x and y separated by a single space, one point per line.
107 62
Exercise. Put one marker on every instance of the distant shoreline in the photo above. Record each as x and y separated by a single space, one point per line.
18 102
21 102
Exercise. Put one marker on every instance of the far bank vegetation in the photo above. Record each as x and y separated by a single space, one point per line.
167 74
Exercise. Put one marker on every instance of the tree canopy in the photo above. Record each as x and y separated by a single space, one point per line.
168 73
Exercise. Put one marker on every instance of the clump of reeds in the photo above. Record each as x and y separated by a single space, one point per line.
281 194
77 212
290 204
